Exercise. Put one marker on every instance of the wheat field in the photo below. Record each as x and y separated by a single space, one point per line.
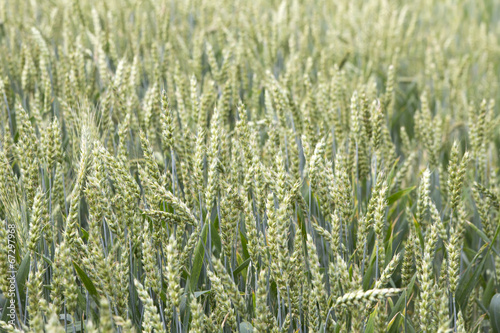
249 166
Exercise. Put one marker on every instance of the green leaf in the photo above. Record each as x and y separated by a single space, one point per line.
396 319
199 293
488 292
471 277
241 267
392 173
87 282
184 305
409 327
481 234
411 284
244 245
22 274
47 260
400 306
85 234
494 312
199 254
369 271
82 303
3 303
398 195
370 325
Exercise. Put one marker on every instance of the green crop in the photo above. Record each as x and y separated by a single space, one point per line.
249 166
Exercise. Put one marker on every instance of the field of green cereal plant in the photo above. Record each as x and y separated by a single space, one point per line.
249 166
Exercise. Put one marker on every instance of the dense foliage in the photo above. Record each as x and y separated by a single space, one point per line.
249 166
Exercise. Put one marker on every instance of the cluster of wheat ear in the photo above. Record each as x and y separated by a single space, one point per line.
249 166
